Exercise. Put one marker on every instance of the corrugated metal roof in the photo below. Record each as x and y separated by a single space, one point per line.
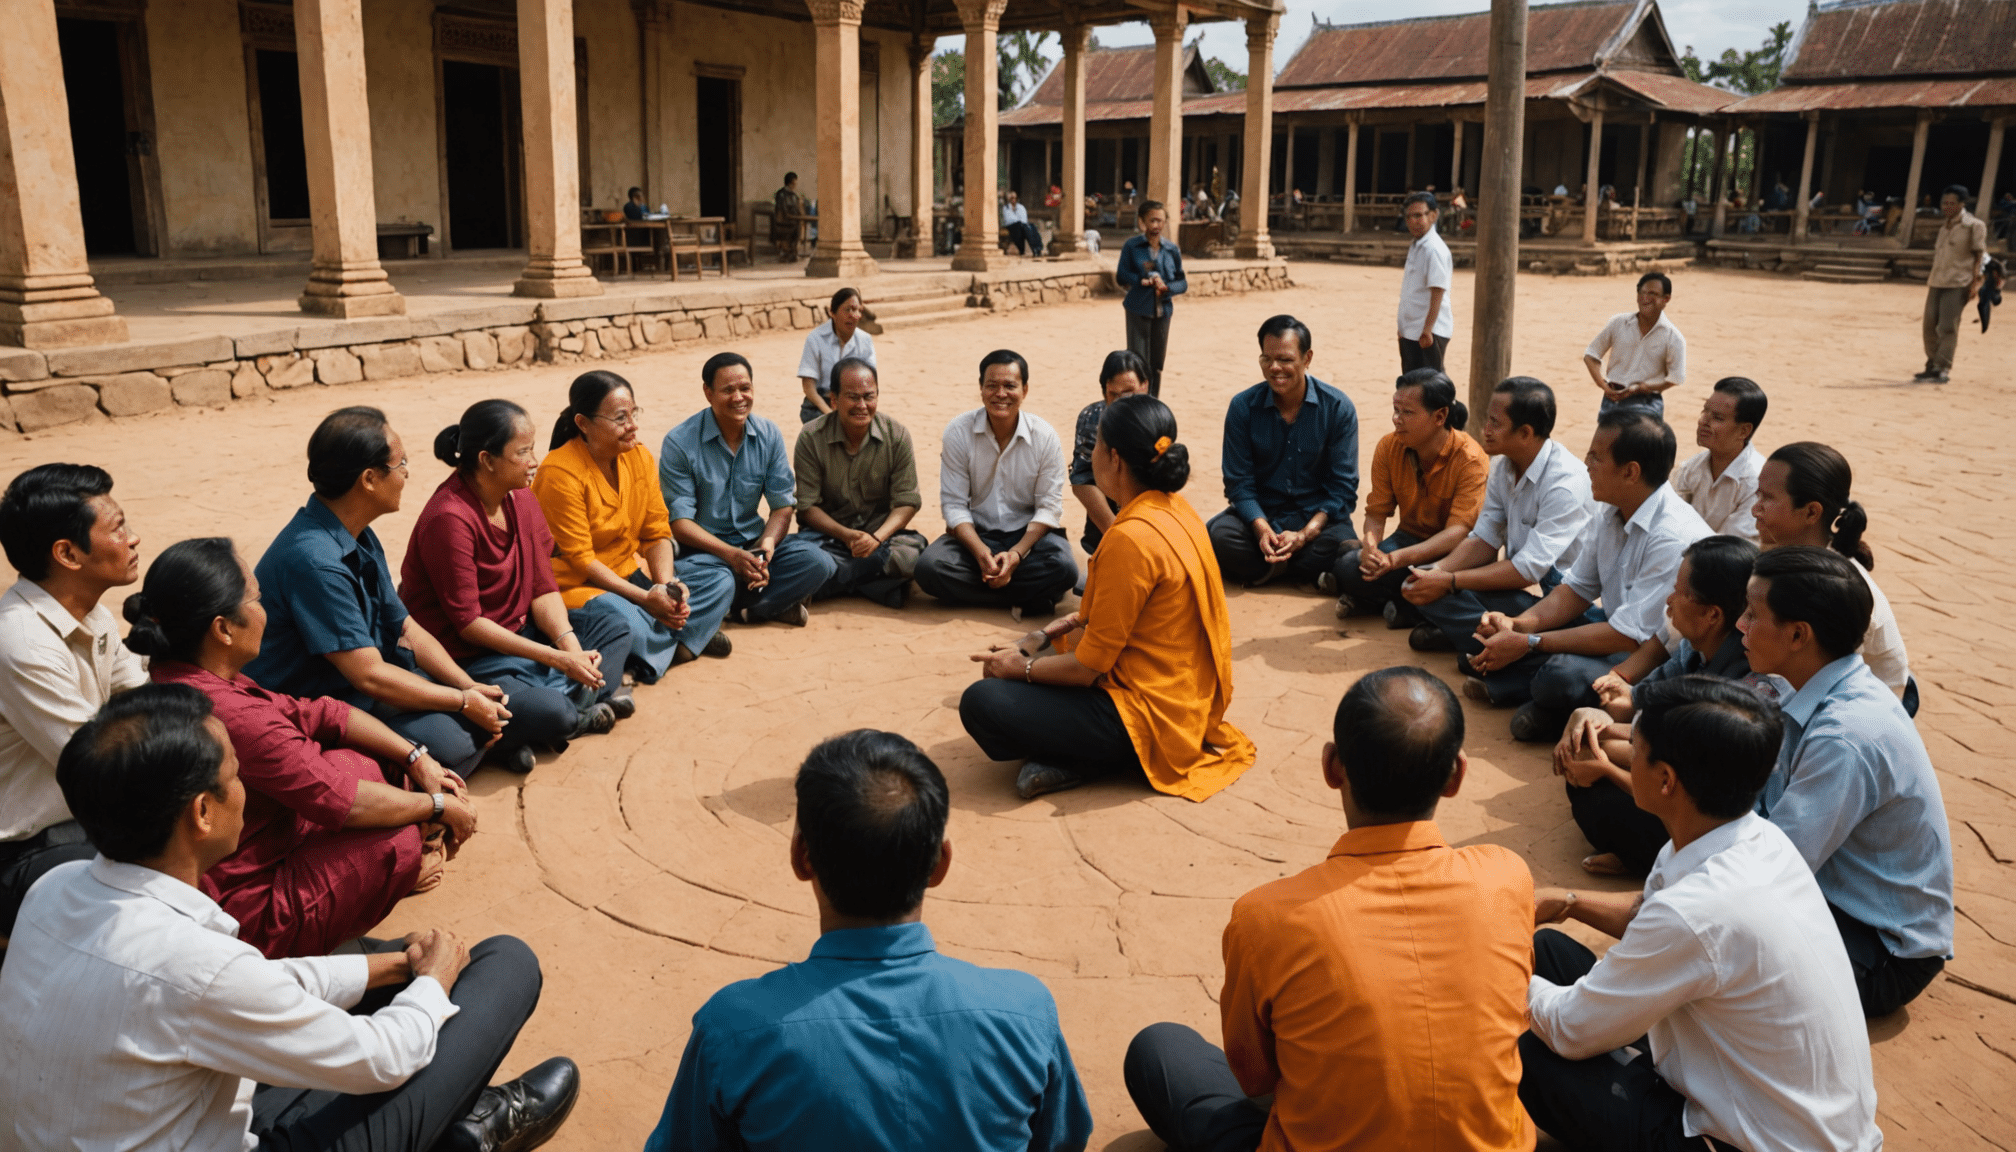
1118 74
1558 37
1674 92
1871 39
1866 94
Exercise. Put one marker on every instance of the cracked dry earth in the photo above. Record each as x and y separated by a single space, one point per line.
648 868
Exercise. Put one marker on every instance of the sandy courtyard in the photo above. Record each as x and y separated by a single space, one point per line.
647 867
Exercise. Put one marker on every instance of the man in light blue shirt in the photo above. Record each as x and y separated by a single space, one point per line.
1015 222
876 1041
1854 788
713 468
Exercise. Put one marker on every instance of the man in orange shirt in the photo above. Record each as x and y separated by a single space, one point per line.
1379 996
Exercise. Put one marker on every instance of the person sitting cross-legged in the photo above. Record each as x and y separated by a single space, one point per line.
1001 482
1290 466
875 1041
1721 481
1377 997
857 490
1123 374
1854 788
132 1017
1536 502
1547 658
1433 474
1724 1016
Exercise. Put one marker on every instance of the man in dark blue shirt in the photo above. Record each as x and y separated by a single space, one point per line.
876 1041
1291 468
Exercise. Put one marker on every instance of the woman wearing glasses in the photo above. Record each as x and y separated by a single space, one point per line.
613 537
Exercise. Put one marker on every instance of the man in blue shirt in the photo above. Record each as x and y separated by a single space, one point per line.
1854 788
713 468
1151 270
1290 465
1015 222
876 1041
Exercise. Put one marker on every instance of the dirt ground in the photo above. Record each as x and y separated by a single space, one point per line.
648 867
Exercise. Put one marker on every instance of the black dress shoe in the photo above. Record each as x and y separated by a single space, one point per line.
623 704
520 1115
520 760
719 646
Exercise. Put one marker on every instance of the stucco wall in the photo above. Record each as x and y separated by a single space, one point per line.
203 133
615 137
399 78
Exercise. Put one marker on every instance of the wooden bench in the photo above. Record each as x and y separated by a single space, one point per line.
403 241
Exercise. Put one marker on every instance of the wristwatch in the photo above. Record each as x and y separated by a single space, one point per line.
418 751
440 804
1532 641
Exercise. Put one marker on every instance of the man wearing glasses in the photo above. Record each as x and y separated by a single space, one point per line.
1427 315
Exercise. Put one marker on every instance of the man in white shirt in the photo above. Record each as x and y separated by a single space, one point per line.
1427 313
132 1018
60 656
1725 1016
1647 353
1015 222
1536 504
1547 658
1721 483
1001 482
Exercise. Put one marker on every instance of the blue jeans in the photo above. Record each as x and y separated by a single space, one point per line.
797 570
652 644
869 575
1457 613
1654 405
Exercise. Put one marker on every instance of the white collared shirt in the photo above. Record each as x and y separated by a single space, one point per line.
1734 970
1015 213
1629 565
1001 489
55 673
1727 502
133 1019
1537 516
1883 644
823 350
1429 266
1655 357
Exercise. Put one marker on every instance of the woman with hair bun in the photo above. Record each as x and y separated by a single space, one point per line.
1434 475
478 574
1145 675
330 843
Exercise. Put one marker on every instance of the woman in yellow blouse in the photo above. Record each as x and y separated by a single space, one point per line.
612 536
1146 673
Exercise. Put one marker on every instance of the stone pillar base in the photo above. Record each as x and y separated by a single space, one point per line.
1258 248
982 258
844 265
556 279
1062 244
63 311
350 290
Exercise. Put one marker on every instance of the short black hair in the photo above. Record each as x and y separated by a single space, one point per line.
1531 404
45 504
1820 587
872 809
1282 326
1718 736
129 772
343 446
1398 732
790 176
636 191
1751 402
1004 356
1427 198
1124 360
720 360
1719 575
1642 439
1665 282
1959 190
848 364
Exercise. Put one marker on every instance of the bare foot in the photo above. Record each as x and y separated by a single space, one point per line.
1603 864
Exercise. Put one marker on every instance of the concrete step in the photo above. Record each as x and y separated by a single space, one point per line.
1826 276
921 319
936 301
1872 267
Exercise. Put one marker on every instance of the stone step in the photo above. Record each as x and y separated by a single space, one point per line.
1872 268
937 301
921 319
1849 276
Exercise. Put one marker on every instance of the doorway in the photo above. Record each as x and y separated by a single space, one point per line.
484 155
110 137
720 127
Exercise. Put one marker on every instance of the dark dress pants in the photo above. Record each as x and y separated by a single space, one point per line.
24 861
1612 822
868 575
1885 982
1413 356
1025 238
1598 1105
1148 338
545 706
1238 550
1186 1092
1373 594
1065 727
455 743
496 994
948 571
1458 613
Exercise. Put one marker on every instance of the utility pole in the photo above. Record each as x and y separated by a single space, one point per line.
1498 202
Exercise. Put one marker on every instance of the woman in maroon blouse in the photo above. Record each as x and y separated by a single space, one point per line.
329 843
478 574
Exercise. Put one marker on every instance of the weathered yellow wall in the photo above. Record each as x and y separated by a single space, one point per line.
203 133
399 75
615 134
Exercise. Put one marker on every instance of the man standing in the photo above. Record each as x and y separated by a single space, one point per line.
1379 996
1290 467
787 210
1427 313
1957 255
1001 484
857 489
875 1040
1721 483
713 467
1647 353
60 656
1151 270
1021 233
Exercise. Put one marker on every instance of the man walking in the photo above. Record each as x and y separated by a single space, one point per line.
1957 254
1427 314
1647 353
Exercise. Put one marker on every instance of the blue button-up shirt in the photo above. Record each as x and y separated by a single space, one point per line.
1289 472
877 1042
718 489
1855 791
1137 261
324 591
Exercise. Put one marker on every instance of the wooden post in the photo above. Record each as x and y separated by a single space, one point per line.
1413 138
1918 138
1800 209
980 242
1592 195
1645 131
1070 236
1498 175
1165 130
1725 159
346 279
1456 160
553 267
1984 196
1257 139
1288 171
923 216
1351 172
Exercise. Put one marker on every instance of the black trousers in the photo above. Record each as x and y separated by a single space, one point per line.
868 575
1148 338
1373 593
544 706
949 572
1598 1105
1413 356
1457 613
1238 551
1885 982
1025 238
496 994
1612 822
24 861
1074 728
1186 1092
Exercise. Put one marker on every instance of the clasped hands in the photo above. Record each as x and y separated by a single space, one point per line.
1279 547
1011 661
752 565
997 568
667 604
1503 643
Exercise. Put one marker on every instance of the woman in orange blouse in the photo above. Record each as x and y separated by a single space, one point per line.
612 536
1146 673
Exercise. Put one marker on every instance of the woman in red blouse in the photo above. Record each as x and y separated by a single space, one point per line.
330 844
478 574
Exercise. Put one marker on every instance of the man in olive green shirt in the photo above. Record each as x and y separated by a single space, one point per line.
857 489
1957 254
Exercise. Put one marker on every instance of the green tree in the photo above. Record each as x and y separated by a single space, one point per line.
948 87
1745 72
1224 76
1022 62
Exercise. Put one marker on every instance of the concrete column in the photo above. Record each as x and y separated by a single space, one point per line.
346 279
1725 159
1918 138
1257 139
1165 127
1984 196
1456 160
1070 236
980 242
1800 211
836 30
552 157
1351 174
1592 199
922 214
46 296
